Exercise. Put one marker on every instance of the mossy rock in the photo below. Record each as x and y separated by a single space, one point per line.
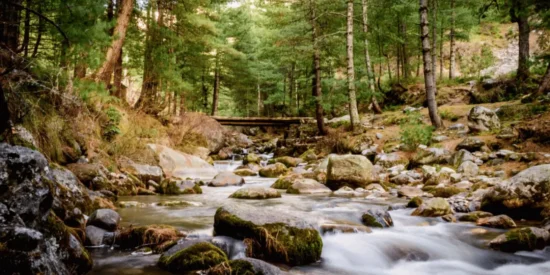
255 193
435 207
245 172
151 235
474 216
286 181
271 236
179 187
273 170
377 218
524 239
251 158
191 257
289 161
414 202
445 192
246 266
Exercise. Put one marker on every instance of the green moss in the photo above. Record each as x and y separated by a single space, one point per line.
234 267
446 192
414 202
369 220
200 256
285 182
474 216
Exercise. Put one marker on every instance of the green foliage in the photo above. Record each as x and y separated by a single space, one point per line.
414 132
111 127
448 115
476 63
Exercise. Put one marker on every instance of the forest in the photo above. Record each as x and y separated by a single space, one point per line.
274 136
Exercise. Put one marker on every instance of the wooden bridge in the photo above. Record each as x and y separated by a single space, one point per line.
262 121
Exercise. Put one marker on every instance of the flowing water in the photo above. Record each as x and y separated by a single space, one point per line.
415 245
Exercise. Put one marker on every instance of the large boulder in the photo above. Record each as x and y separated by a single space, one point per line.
179 187
349 170
481 119
33 239
255 193
200 129
500 221
271 236
226 179
377 218
93 175
521 239
191 256
71 198
307 186
273 170
180 165
435 207
524 196
107 219
142 171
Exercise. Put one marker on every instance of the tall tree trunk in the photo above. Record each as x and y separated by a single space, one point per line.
354 114
259 94
405 54
150 78
204 89
452 44
441 32
429 79
216 92
105 72
117 79
5 119
26 36
316 76
370 74
434 36
10 17
520 15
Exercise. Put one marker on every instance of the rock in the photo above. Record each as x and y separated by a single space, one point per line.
150 235
245 172
462 156
471 144
537 129
457 127
95 236
226 179
345 192
33 239
273 170
245 266
414 202
521 239
468 169
181 166
289 161
524 196
439 138
251 166
179 187
70 194
92 175
349 170
197 126
131 204
409 192
379 136
273 236
144 172
474 216
285 182
375 187
191 256
307 186
251 158
309 155
404 179
255 193
391 159
500 221
226 153
343 228
238 139
107 219
435 207
449 218
22 136
377 218
465 185
481 119
431 156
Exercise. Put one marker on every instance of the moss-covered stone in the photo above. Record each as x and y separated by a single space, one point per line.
377 218
414 202
474 216
525 239
289 161
286 181
179 187
152 235
273 170
435 207
251 158
445 192
255 193
270 236
199 256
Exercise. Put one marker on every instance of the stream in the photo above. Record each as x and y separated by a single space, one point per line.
415 245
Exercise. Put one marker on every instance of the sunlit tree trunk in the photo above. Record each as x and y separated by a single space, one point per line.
429 77
452 43
354 114
434 36
316 76
370 74
520 15
216 92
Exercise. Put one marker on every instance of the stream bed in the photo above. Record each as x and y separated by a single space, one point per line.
415 245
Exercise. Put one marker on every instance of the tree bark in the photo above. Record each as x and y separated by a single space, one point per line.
520 15
370 74
105 72
216 92
354 114
434 36
452 44
259 98
5 118
429 79
10 17
316 76
117 79
26 36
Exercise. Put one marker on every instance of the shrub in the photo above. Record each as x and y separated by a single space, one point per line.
111 128
414 132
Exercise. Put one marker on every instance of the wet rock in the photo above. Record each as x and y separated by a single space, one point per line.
375 187
409 191
289 161
343 228
377 218
69 194
255 193
250 166
309 156
203 128
226 179
296 240
273 170
391 159
521 239
245 172
190 256
285 182
151 235
349 170
179 165
144 172
474 216
245 266
468 169
131 204
105 218
345 192
481 119
414 202
449 218
431 156
523 196
92 175
95 235
307 186
435 207
470 144
251 158
179 187
500 221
